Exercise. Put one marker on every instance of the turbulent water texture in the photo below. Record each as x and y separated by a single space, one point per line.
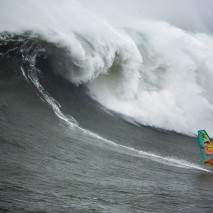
91 114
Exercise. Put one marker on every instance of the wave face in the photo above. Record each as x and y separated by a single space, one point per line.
151 73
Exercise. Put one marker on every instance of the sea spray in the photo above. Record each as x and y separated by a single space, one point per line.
153 73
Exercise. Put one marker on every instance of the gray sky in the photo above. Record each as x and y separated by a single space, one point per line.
195 15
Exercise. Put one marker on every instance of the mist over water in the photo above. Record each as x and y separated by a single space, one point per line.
192 15
151 62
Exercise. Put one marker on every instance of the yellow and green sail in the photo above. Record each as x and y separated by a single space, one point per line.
206 147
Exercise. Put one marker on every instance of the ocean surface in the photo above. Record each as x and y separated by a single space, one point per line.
97 118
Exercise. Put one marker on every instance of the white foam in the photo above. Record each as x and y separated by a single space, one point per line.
173 90
155 74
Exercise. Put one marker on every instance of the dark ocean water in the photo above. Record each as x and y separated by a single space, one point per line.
101 164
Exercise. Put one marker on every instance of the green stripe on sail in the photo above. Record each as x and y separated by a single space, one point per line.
202 138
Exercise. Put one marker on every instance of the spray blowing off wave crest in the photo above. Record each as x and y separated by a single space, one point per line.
153 73
91 44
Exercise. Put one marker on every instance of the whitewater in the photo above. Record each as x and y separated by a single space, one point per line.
152 73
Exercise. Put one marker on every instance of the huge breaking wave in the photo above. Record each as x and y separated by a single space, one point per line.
152 73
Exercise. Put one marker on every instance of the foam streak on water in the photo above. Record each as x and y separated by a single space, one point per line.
72 123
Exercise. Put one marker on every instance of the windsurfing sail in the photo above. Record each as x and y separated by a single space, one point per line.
206 147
